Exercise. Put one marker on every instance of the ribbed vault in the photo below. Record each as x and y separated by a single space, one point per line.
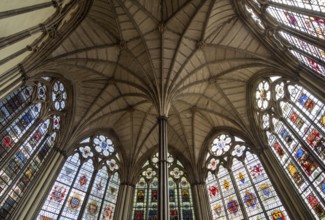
132 61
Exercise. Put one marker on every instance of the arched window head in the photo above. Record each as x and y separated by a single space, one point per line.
146 193
87 185
237 184
28 131
299 27
293 120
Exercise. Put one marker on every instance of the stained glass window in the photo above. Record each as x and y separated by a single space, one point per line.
294 122
27 135
316 5
87 185
146 192
302 19
237 184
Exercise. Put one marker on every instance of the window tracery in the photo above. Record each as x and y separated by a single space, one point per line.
87 185
28 132
146 193
296 18
238 186
295 133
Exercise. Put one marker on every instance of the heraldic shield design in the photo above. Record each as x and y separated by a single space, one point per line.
213 190
83 180
277 215
74 202
92 209
108 213
58 194
250 199
232 206
217 209
266 191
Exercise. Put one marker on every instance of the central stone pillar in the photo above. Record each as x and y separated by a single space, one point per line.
163 202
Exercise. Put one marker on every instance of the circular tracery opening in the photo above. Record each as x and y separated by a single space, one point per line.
263 95
59 96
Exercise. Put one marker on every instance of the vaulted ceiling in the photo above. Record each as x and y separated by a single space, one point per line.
130 61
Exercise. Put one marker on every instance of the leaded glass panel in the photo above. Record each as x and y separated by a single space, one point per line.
238 180
146 192
81 190
300 23
296 137
28 134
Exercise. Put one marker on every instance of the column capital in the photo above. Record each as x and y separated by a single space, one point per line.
127 184
197 183
162 117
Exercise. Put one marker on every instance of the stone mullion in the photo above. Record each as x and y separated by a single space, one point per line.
222 197
302 35
308 55
17 114
303 143
21 141
307 117
256 191
237 192
179 201
282 184
147 200
70 189
287 151
103 199
301 171
87 195
23 168
304 11
28 206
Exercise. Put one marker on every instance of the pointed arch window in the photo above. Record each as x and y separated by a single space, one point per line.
293 120
28 130
237 183
300 26
146 193
87 185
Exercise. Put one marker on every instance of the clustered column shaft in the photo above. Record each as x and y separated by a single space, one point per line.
163 202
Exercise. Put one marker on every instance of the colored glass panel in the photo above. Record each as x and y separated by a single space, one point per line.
247 178
304 45
146 192
13 104
296 139
25 141
78 185
308 24
316 5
